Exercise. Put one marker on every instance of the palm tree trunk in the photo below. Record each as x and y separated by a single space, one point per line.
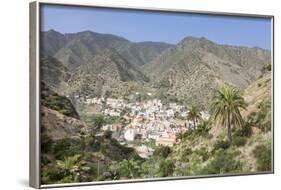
193 123
229 128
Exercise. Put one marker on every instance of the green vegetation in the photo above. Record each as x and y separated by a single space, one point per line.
202 130
223 162
239 141
162 151
96 156
98 121
70 167
194 115
129 169
261 118
84 159
226 106
245 131
221 144
57 102
203 153
263 156
46 142
166 168
267 67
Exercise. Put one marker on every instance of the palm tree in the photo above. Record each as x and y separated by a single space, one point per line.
226 106
130 168
70 166
194 114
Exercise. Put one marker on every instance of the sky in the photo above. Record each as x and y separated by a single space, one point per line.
137 26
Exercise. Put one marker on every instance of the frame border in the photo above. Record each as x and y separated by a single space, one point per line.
34 90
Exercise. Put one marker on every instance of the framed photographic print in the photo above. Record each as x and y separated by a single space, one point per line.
135 94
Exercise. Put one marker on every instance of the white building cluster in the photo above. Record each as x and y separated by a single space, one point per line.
148 121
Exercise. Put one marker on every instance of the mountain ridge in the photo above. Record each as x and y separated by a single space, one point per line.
90 42
188 71
197 66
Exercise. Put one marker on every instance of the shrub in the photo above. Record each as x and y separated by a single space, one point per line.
166 168
67 147
221 144
263 156
223 162
149 168
50 175
162 151
245 131
127 168
98 121
185 154
202 129
267 67
262 118
57 102
45 160
89 140
187 151
239 141
46 143
107 134
203 153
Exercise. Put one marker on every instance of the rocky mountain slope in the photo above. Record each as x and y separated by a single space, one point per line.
53 72
106 74
199 153
258 92
54 101
97 64
80 48
196 66
59 126
68 143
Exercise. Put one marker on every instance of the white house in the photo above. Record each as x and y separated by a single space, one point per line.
130 134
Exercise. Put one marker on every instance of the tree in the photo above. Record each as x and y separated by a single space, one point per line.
107 134
98 121
163 151
129 168
70 166
194 115
203 129
226 106
166 168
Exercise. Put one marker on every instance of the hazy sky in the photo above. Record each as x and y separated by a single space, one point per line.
139 26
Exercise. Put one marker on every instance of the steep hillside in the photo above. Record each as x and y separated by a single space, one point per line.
59 126
106 64
258 92
142 53
53 72
70 150
205 150
106 74
50 42
83 47
80 48
54 101
196 66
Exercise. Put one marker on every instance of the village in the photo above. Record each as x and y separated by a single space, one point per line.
147 122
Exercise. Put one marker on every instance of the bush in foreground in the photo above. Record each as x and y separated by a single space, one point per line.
263 156
239 141
223 162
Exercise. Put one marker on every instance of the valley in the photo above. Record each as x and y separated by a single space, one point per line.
128 110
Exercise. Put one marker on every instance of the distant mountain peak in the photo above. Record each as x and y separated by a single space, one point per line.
53 32
196 41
